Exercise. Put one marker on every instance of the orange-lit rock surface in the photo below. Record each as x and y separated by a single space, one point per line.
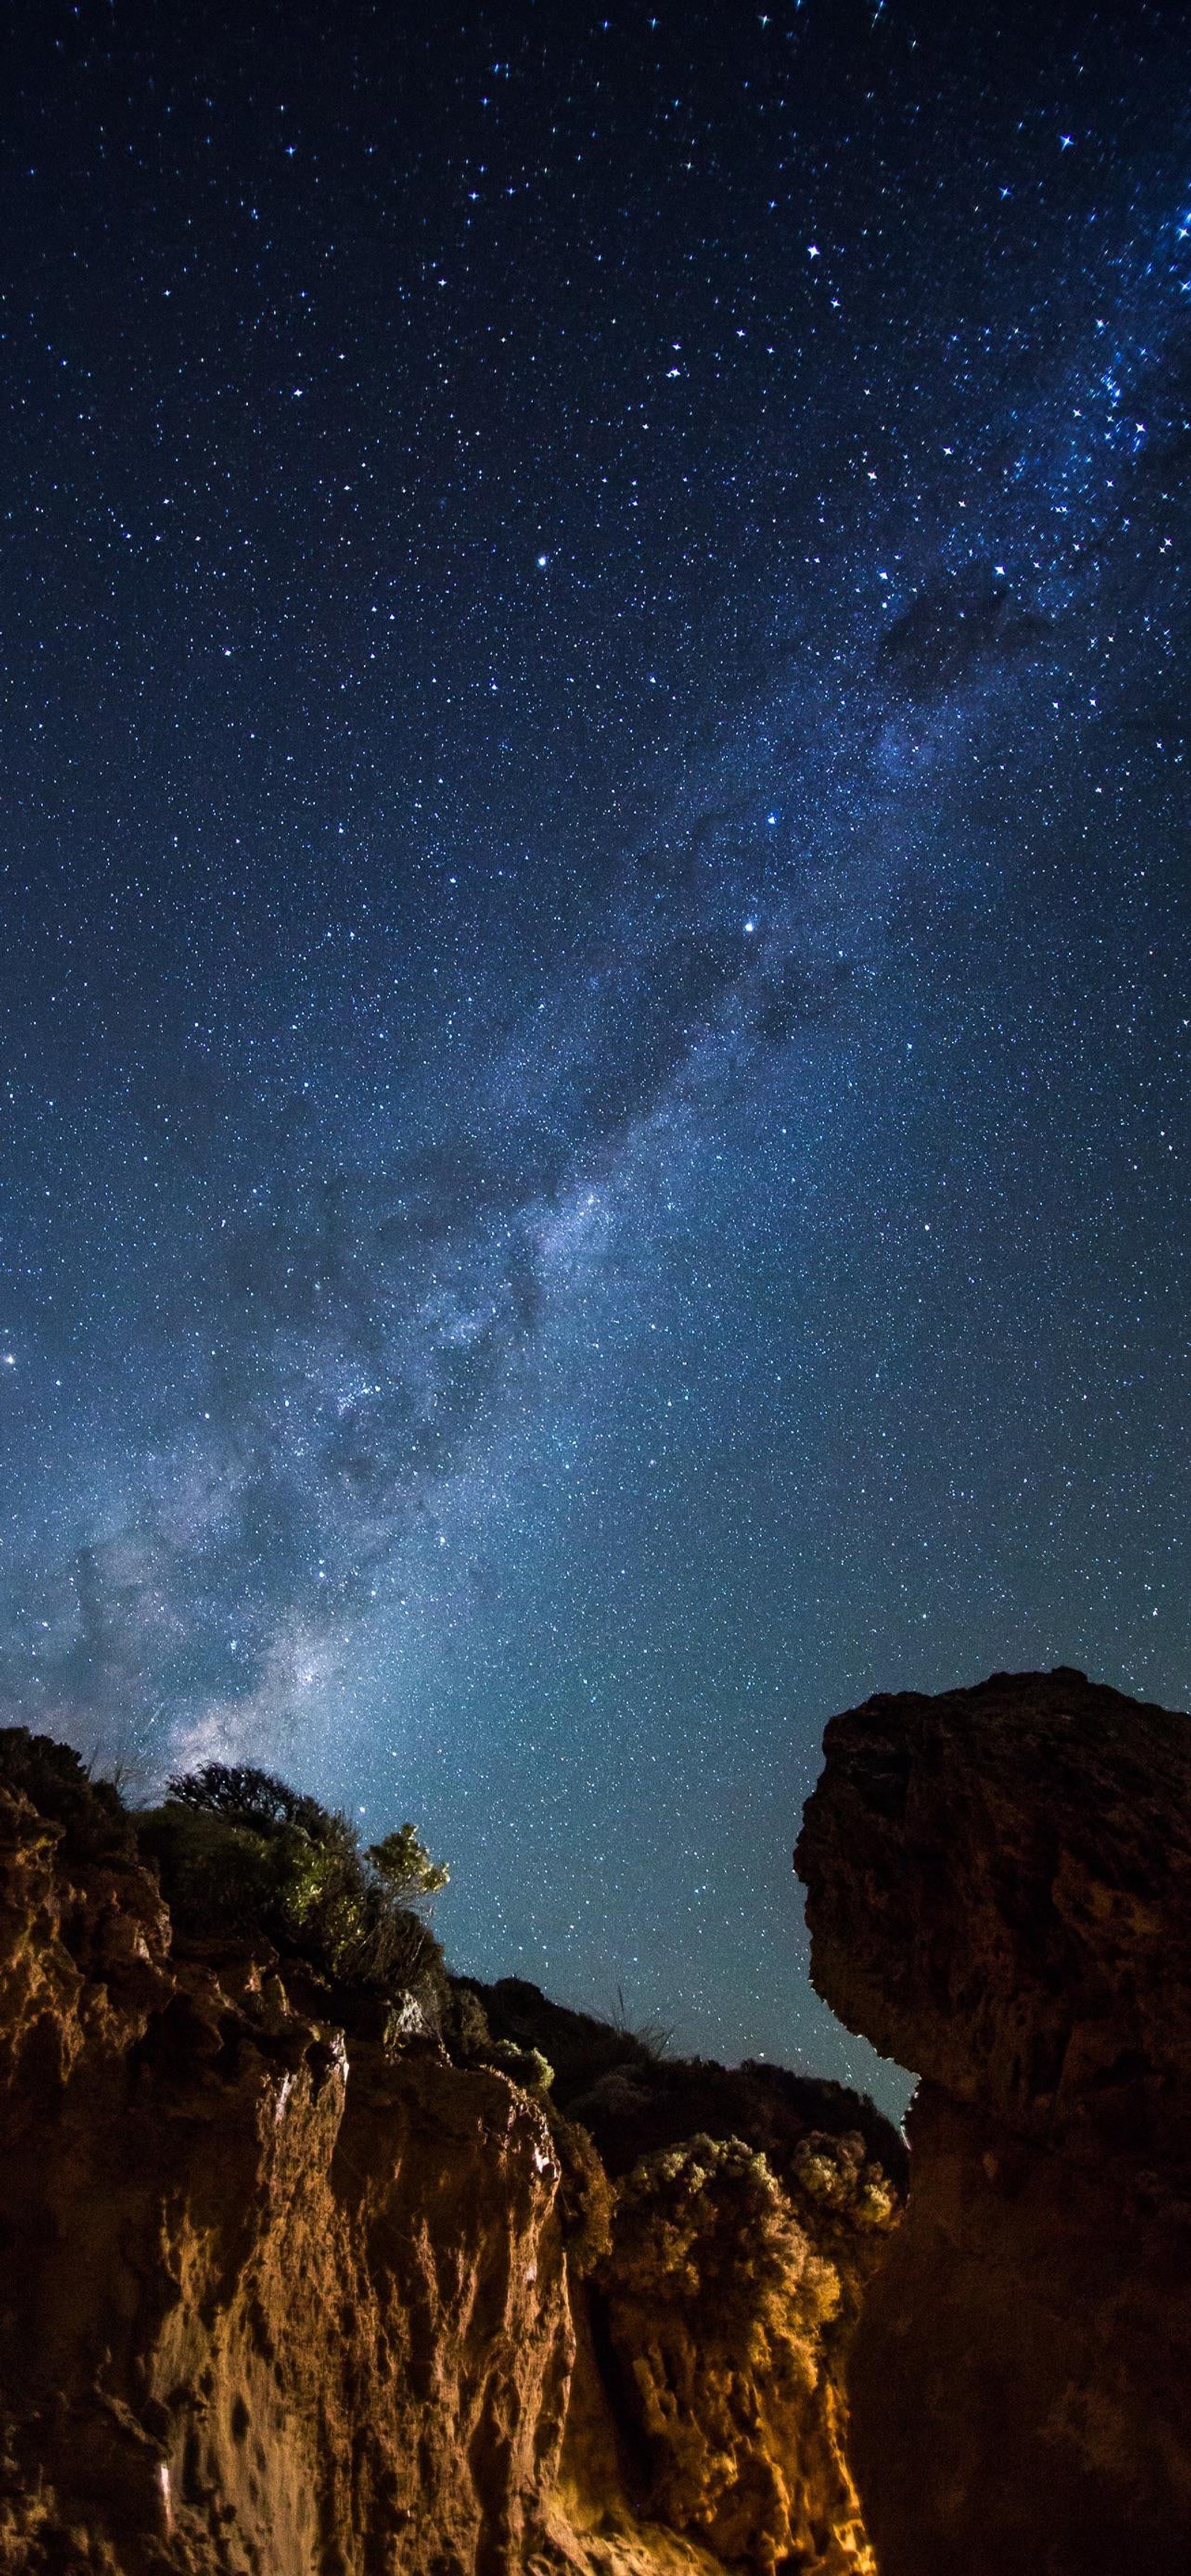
263 2302
999 1895
278 2298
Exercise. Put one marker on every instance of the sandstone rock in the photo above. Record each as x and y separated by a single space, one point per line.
999 1895
727 2309
287 2295
264 2310
752 2207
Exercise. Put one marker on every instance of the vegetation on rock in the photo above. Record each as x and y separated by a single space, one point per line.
242 1854
96 1825
525 2293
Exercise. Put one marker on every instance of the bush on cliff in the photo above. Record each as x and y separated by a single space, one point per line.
240 1852
95 1822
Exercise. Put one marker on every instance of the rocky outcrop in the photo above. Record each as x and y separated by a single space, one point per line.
244 2276
999 1896
289 2289
723 2298
750 2208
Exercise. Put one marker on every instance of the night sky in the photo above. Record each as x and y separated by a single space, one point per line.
594 869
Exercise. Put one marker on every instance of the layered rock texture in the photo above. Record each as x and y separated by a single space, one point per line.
999 1896
749 2209
287 2286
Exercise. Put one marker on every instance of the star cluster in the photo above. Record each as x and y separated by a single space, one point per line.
595 883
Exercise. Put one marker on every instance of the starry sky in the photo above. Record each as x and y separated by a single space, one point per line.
594 869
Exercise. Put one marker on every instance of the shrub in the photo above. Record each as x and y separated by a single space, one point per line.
240 1853
710 2218
96 1826
525 2066
251 1797
406 1866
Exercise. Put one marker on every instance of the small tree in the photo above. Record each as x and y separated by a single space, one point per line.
405 1865
256 1798
239 1848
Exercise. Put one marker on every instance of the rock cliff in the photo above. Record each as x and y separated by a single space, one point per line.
288 2286
999 1896
750 2208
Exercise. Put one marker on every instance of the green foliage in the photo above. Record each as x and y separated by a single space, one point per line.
242 1853
526 2066
251 1797
56 1781
405 1865
218 1877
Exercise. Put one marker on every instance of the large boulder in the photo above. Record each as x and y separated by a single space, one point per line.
999 1896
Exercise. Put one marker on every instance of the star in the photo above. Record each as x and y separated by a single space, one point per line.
477 1072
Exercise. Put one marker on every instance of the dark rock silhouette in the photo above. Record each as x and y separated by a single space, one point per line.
999 1896
635 2098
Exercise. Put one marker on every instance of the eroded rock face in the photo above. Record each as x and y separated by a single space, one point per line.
750 2209
281 2299
242 2278
727 2298
999 1895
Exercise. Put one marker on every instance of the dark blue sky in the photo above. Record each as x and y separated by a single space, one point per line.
594 864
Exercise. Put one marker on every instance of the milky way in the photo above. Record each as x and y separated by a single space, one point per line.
596 891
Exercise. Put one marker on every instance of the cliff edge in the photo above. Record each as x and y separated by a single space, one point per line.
999 1896
293 2282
